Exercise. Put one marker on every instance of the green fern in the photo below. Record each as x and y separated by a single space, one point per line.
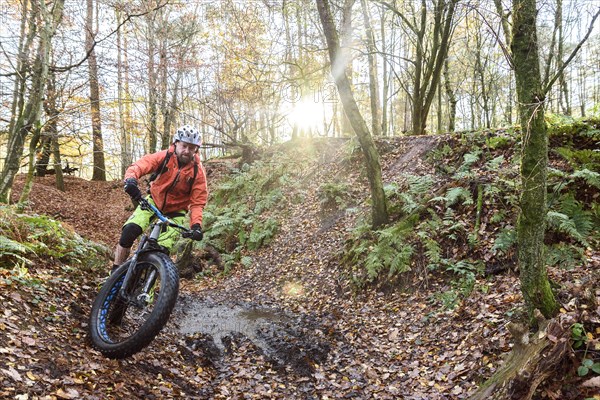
464 268
565 256
420 185
24 238
469 159
408 203
13 251
465 171
495 163
410 197
576 212
586 158
262 233
385 252
571 219
334 195
267 202
562 223
453 195
590 177
433 251
390 253
498 216
505 240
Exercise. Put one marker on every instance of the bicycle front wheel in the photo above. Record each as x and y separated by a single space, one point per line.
121 326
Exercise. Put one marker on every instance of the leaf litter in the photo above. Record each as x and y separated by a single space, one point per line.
306 334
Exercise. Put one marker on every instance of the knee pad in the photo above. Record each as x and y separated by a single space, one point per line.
129 233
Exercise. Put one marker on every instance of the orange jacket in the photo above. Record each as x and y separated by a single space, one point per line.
171 189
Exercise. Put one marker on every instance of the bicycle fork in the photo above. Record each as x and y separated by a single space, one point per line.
143 297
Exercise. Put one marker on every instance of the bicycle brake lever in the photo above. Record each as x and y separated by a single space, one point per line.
144 204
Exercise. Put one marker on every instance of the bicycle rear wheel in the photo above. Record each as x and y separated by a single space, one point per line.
120 327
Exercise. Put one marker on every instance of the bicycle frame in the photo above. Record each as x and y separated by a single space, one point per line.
144 241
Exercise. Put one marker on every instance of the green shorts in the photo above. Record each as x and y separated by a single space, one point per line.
143 219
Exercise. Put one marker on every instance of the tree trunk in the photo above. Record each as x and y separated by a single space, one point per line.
25 40
379 204
583 92
123 95
163 84
30 116
386 80
51 130
43 155
346 56
534 160
99 171
480 71
373 81
452 101
29 177
532 360
563 89
169 108
429 58
60 182
152 95
45 148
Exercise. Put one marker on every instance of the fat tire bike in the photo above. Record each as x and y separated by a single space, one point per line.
135 302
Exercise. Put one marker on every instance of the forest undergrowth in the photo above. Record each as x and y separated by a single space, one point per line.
416 310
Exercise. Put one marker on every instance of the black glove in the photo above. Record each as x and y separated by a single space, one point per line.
196 232
132 189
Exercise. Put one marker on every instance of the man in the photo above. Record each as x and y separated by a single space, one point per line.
178 184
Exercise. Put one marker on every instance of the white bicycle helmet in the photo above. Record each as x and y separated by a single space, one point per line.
187 134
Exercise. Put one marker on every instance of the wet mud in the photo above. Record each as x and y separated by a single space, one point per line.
285 339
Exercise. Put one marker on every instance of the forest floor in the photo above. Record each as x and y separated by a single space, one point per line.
287 327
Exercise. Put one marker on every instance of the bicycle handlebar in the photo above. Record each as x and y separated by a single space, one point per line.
149 206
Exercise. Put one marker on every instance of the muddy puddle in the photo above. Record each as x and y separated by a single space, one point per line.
286 339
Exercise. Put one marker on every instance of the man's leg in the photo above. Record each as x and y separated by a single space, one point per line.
121 254
168 237
133 227
129 233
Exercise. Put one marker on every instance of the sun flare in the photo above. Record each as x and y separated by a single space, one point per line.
306 114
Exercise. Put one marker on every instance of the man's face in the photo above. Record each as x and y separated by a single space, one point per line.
185 152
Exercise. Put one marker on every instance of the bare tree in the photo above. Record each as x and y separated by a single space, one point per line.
373 81
152 80
431 35
99 172
28 119
451 96
373 167
385 77
123 96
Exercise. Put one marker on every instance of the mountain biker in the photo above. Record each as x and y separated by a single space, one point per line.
178 184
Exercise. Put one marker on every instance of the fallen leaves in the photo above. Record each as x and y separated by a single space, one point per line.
68 394
386 346
13 374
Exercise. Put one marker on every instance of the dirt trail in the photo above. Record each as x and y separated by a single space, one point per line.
288 327
376 345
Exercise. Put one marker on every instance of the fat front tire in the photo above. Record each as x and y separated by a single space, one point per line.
119 328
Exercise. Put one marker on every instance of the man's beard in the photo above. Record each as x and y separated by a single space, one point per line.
184 159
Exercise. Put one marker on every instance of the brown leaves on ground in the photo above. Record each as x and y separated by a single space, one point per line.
95 210
398 345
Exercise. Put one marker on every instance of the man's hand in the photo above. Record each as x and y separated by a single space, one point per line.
132 189
196 232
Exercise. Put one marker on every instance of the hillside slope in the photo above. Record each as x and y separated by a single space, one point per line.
289 324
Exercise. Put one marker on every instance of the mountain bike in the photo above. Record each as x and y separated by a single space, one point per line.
135 302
